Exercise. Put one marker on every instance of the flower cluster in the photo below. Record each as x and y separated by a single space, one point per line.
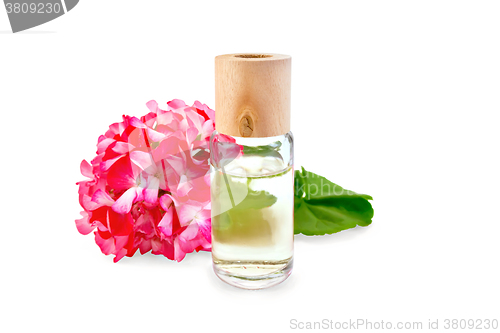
149 185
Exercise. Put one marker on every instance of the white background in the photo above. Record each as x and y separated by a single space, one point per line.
396 99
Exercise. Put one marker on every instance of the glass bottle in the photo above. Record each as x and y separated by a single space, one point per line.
252 171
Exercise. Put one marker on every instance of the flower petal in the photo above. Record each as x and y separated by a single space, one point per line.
152 106
187 213
104 144
120 175
208 111
107 164
176 104
120 224
137 123
107 245
179 254
184 186
205 225
165 224
144 161
122 147
124 203
145 246
190 232
165 202
83 225
155 136
101 198
86 169
151 192
164 117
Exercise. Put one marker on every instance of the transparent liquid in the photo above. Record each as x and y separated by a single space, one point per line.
252 221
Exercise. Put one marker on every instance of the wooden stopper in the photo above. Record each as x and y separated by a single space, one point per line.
252 94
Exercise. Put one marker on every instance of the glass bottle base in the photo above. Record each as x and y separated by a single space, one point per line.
253 274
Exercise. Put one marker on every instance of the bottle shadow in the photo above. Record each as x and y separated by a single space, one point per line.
148 259
223 287
26 32
342 236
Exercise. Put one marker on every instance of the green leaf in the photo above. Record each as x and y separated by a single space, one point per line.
235 194
241 219
322 207
256 200
267 150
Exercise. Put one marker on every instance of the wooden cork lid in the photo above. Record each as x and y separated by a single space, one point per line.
252 94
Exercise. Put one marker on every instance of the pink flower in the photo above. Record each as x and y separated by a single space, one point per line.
148 187
225 149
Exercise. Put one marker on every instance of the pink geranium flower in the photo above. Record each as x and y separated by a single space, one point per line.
148 187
